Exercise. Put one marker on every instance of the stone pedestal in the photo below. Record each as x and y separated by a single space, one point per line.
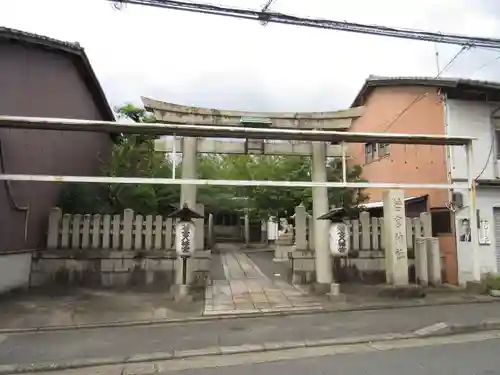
181 293
396 251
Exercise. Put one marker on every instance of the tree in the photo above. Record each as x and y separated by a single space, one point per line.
131 156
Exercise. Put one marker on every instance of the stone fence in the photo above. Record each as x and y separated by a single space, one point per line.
365 260
115 250
118 232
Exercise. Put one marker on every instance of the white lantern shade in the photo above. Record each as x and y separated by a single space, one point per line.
184 238
339 239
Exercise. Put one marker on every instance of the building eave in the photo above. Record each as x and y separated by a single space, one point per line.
446 84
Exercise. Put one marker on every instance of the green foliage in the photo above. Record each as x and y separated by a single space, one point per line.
134 156
492 282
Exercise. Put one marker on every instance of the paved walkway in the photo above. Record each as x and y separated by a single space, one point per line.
245 289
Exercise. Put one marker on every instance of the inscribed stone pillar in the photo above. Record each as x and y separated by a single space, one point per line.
320 207
300 227
199 227
396 251
188 168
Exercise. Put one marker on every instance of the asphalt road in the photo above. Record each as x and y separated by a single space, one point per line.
106 342
470 358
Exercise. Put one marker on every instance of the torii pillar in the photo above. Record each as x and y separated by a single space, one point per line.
324 271
188 171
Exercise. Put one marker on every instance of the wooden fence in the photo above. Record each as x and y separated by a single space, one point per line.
119 232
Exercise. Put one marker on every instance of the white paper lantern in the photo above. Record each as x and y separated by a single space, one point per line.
184 238
339 239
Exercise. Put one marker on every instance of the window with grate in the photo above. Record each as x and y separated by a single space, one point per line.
383 149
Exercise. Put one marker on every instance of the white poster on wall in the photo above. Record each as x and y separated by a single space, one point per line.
484 232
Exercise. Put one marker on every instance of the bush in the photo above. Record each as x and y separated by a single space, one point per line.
492 282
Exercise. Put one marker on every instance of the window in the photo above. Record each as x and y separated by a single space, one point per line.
383 149
374 151
441 222
370 152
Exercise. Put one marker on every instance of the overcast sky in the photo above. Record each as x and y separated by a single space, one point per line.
218 62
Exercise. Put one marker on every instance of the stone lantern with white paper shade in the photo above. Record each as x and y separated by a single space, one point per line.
338 232
184 235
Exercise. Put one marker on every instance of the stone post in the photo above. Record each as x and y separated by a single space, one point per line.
300 227
310 233
396 251
263 231
199 225
247 230
211 234
188 168
55 217
421 265
324 273
434 261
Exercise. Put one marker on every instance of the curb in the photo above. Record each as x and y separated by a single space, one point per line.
261 314
241 349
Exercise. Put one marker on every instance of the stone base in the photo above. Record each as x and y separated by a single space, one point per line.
182 293
114 268
320 289
402 292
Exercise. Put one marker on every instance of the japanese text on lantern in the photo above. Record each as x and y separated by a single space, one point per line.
399 224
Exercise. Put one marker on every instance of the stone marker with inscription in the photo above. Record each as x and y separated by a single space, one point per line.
396 251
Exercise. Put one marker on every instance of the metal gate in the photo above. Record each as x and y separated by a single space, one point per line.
496 219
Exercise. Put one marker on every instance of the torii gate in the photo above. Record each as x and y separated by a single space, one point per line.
190 146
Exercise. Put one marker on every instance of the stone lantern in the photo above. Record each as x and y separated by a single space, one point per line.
338 232
184 239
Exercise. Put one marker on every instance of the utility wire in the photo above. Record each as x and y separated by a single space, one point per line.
485 65
264 9
281 18
420 97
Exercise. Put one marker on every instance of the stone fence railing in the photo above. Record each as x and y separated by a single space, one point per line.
118 232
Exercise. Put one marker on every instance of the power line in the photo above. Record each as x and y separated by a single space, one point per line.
264 9
281 18
420 97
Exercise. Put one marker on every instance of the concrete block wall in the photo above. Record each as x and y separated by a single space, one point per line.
14 271
110 269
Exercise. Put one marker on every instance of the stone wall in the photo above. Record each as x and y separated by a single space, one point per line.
115 269
14 270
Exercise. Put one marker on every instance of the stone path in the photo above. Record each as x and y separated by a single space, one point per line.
246 289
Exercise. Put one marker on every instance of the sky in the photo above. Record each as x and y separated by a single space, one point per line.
212 61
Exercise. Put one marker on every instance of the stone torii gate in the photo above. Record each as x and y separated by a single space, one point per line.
189 147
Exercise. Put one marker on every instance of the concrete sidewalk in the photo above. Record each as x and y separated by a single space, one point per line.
121 343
